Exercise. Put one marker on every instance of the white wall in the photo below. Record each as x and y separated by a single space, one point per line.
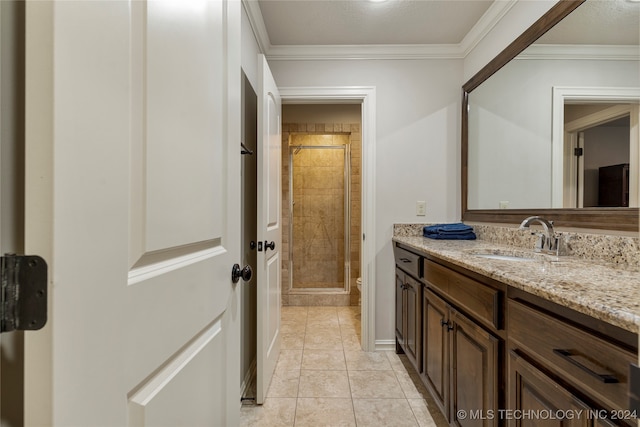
417 146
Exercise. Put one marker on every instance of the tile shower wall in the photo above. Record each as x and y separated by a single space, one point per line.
322 134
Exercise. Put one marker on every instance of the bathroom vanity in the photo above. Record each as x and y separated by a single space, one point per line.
503 336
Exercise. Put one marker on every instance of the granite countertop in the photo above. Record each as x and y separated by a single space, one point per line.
608 292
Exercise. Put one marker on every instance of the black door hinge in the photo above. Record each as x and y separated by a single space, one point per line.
23 295
579 151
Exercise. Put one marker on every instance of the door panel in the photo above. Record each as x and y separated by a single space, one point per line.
269 228
145 197
435 348
413 328
399 307
474 366
531 390
162 401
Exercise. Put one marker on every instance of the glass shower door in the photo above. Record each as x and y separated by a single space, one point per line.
319 223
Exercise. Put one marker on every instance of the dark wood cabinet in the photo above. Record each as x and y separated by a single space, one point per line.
399 310
474 370
435 356
541 399
412 339
582 362
461 363
408 317
492 355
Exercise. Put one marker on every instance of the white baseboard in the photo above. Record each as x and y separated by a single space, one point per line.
385 345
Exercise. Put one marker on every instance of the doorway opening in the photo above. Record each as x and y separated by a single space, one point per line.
599 105
322 184
600 141
362 101
249 209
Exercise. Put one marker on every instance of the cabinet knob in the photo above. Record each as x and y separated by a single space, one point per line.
447 323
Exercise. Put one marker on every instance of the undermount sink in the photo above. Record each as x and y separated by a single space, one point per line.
513 255
504 257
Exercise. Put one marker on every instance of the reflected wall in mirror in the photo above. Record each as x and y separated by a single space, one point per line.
518 147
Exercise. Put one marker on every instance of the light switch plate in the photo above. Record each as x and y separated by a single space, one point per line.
421 208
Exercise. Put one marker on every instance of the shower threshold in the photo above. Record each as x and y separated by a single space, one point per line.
319 291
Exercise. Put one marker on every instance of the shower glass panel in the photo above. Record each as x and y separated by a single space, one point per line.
319 225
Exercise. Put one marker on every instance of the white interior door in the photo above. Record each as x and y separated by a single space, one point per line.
269 228
136 107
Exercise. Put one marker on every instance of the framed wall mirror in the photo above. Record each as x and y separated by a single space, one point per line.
550 126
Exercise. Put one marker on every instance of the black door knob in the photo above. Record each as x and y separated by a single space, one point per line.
271 245
238 273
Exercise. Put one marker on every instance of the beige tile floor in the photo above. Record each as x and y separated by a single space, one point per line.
323 378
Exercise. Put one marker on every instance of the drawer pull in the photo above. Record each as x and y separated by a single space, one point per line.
447 323
405 260
566 354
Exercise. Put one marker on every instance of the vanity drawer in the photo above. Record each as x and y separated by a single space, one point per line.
477 299
594 366
407 261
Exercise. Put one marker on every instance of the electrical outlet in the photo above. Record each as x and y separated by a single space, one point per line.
504 204
421 208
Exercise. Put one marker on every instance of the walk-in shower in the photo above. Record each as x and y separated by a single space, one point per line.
319 222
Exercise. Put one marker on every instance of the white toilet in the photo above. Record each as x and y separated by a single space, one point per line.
359 285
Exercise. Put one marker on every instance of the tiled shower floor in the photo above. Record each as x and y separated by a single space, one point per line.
323 378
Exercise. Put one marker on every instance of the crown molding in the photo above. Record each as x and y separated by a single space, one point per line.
491 17
342 52
485 24
257 24
583 52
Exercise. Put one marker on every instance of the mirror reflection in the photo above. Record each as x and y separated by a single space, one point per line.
557 127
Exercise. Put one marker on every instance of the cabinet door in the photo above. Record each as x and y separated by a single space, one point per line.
435 349
411 320
532 392
474 369
602 423
399 307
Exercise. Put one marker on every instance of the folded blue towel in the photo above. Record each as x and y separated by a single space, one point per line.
461 236
457 231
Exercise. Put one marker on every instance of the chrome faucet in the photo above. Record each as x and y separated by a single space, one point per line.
547 242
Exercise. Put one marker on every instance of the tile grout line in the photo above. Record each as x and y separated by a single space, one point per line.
306 324
395 372
346 365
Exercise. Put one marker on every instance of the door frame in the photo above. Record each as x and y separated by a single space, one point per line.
366 96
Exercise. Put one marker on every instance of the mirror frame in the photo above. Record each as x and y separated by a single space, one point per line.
619 219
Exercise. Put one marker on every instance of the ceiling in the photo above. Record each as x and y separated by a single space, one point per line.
413 29
325 29
358 22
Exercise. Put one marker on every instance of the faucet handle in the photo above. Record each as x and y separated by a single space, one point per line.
540 243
